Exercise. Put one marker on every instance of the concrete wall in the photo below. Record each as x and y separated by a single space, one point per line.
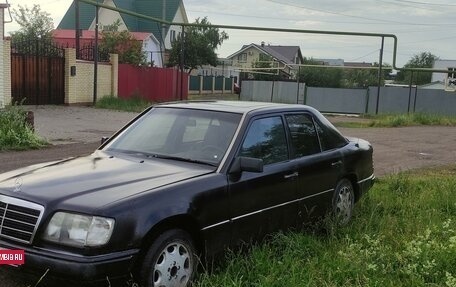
79 88
392 99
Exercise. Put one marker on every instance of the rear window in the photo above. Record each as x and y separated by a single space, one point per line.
329 137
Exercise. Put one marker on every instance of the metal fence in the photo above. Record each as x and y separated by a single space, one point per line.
352 101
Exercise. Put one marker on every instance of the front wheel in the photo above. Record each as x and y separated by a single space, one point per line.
343 202
170 261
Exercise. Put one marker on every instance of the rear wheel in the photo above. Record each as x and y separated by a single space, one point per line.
170 261
343 202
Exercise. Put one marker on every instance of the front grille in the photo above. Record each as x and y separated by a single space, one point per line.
19 219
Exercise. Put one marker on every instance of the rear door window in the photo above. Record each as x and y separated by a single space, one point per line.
304 139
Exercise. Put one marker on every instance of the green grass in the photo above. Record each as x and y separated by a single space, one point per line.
15 134
403 234
134 104
400 120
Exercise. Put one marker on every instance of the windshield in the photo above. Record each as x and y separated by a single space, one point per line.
179 134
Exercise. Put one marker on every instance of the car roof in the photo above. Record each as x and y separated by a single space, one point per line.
241 107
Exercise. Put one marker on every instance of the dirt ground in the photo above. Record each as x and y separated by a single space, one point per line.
76 131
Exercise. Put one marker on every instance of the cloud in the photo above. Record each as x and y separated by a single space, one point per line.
410 21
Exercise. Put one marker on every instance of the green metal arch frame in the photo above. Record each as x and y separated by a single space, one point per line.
320 32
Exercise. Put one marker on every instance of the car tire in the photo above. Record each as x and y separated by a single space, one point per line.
170 261
343 202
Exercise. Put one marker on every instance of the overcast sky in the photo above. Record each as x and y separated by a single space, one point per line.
420 25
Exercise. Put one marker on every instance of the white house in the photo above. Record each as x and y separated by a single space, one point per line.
449 79
284 58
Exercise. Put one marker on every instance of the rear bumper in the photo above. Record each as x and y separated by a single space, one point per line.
81 268
366 184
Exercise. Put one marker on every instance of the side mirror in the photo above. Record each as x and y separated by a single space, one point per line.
250 164
104 139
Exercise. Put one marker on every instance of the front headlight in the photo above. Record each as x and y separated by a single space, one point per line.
79 230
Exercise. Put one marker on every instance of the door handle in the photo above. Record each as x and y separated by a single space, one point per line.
336 163
291 175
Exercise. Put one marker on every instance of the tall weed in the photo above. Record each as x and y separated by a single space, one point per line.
134 104
403 234
15 133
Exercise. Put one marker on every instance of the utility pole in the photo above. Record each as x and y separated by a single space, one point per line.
95 58
380 74
77 27
182 55
163 33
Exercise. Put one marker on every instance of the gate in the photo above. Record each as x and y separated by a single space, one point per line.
37 73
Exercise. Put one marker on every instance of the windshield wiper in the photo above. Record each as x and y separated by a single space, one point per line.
162 156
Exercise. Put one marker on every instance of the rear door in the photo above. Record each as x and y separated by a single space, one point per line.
318 165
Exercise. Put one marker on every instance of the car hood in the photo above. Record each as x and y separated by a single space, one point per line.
96 180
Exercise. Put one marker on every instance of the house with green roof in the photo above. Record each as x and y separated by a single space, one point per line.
174 12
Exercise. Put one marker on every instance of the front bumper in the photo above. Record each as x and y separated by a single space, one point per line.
82 268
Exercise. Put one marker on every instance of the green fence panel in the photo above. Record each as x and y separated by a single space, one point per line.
207 83
194 83
219 83
228 83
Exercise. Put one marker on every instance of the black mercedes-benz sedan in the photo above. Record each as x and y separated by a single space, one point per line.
181 181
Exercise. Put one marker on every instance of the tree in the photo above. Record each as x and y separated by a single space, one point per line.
264 62
319 77
421 60
360 78
122 43
200 44
34 23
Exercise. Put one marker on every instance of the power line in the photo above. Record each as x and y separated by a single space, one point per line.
426 3
408 5
429 40
279 18
363 56
360 17
319 20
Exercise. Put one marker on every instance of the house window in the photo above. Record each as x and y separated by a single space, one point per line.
173 36
242 57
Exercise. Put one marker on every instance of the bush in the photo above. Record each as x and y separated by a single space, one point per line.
15 133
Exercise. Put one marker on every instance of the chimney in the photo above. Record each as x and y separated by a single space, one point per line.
262 43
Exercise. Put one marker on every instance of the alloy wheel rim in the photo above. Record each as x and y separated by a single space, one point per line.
173 267
344 204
